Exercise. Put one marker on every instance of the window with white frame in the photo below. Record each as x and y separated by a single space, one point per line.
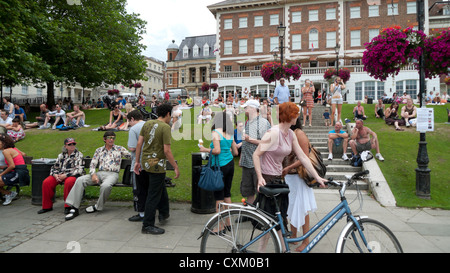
380 89
228 68
296 41
274 19
39 91
273 43
313 38
258 45
185 51
358 91
170 81
411 7
195 51
374 11
373 32
243 22
228 24
355 38
25 89
206 50
369 89
355 12
411 88
243 46
331 39
313 15
296 17
258 21
331 14
228 47
183 75
392 9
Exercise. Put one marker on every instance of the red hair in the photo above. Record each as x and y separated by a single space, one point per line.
288 111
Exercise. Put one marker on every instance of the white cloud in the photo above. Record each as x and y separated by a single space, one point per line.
172 20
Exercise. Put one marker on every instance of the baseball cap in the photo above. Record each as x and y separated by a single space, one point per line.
252 103
69 140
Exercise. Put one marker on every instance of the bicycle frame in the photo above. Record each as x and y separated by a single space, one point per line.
338 212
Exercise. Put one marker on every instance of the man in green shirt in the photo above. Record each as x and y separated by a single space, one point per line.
155 138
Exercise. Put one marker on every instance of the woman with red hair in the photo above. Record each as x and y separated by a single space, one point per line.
276 144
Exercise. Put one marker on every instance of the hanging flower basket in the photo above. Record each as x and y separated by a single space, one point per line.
274 71
137 85
205 87
447 80
437 54
214 86
394 48
113 92
344 74
329 74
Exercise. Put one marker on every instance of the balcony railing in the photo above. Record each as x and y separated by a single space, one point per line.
305 71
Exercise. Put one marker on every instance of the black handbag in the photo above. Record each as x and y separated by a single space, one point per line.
211 177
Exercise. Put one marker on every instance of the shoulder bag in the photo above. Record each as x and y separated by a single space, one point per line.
211 177
317 162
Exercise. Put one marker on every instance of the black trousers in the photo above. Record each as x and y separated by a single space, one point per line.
157 198
140 190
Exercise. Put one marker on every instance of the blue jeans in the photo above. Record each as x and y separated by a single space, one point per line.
157 198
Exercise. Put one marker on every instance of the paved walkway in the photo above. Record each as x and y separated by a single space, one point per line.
22 230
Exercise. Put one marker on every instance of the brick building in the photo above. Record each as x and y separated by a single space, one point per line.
247 37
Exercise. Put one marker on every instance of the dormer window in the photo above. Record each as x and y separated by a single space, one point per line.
195 51
185 52
206 50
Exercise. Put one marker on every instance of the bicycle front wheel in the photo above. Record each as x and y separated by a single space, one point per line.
235 231
379 238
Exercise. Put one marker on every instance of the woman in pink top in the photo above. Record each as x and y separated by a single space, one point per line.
276 144
16 172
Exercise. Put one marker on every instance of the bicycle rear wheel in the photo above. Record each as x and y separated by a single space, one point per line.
380 239
231 230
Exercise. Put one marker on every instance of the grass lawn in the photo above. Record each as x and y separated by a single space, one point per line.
398 148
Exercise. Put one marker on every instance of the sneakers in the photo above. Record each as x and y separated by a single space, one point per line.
379 157
347 120
9 198
344 157
152 230
330 156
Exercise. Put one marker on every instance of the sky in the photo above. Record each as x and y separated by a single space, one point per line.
169 20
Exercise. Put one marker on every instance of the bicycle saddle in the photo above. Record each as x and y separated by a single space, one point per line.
270 192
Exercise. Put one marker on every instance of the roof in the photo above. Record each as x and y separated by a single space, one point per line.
200 41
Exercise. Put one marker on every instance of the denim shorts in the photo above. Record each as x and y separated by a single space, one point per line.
337 101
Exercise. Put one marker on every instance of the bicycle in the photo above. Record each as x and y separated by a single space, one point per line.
238 228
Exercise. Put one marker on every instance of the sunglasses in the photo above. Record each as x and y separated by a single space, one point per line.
71 144
111 137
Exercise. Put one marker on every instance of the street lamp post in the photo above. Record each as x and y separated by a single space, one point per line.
336 50
422 170
281 32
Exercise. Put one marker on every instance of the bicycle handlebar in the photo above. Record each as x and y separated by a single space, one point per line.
339 184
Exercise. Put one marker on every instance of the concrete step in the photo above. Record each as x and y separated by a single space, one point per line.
340 168
340 176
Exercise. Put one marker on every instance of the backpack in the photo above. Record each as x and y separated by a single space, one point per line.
356 161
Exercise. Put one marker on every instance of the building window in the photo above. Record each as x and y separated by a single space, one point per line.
228 47
373 32
258 67
369 89
314 15
25 89
392 9
228 68
331 39
331 14
296 41
411 7
243 22
195 51
274 19
380 89
411 88
358 91
296 17
170 79
374 11
313 38
185 52
258 45
355 12
242 68
355 38
243 46
258 21
273 43
356 62
206 50
228 24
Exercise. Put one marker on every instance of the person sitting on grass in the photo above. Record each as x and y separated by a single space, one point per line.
409 112
358 111
115 118
380 108
391 116
59 115
360 140
16 132
76 118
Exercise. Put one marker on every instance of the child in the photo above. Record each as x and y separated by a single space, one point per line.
326 116
16 133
